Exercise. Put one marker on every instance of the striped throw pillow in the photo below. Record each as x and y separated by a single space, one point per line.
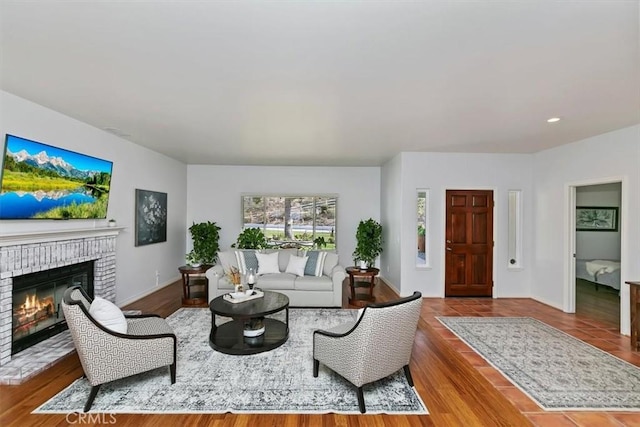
246 260
315 263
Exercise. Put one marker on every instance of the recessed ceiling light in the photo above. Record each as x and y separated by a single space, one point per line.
553 119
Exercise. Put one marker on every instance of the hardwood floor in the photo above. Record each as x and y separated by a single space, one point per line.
458 387
602 303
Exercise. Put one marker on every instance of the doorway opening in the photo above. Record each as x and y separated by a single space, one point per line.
597 251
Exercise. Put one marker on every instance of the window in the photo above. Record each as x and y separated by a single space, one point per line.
422 228
515 229
292 221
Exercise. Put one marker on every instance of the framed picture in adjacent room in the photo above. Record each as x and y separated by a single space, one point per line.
151 217
596 218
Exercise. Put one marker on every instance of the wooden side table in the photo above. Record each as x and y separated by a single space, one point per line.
361 299
195 291
634 299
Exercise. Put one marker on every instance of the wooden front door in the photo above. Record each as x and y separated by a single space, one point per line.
469 243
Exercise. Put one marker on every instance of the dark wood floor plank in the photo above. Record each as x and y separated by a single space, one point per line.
602 302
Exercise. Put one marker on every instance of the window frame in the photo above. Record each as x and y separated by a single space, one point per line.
305 244
514 230
420 264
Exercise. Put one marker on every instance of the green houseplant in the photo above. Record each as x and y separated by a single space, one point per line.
251 238
206 238
368 241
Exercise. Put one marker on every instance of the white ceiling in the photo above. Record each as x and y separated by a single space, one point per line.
316 83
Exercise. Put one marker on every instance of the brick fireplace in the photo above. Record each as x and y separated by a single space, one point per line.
33 252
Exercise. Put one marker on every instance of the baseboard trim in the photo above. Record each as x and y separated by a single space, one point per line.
147 293
389 285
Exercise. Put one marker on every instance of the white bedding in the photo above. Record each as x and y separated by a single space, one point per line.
599 266
600 272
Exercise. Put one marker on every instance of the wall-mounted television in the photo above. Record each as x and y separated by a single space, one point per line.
40 181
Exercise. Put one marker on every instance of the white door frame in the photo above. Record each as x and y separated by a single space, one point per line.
569 305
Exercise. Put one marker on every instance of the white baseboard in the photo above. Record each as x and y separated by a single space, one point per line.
148 292
387 282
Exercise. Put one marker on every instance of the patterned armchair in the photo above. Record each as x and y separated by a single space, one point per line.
378 344
107 355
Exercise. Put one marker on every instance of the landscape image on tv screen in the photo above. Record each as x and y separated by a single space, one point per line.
40 181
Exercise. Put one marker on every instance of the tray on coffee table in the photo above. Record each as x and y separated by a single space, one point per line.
235 300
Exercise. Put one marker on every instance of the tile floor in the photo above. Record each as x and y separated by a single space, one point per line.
597 333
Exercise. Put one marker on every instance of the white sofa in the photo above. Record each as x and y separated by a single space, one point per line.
303 291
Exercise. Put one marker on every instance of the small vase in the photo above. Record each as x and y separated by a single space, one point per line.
250 278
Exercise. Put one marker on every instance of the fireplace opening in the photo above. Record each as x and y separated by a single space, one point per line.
37 298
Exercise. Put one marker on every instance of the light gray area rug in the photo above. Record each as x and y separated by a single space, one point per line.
556 370
277 381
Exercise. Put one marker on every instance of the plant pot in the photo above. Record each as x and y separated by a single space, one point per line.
363 265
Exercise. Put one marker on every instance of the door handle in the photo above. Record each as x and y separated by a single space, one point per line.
448 249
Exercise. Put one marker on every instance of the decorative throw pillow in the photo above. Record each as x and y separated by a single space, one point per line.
329 262
246 260
283 258
227 260
315 263
108 315
296 265
267 263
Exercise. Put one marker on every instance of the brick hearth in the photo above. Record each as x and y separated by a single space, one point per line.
31 252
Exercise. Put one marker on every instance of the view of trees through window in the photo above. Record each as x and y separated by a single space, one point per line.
296 221
421 259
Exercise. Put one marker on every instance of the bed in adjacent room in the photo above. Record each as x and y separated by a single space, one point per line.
599 271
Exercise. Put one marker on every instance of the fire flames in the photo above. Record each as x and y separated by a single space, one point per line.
31 303
32 312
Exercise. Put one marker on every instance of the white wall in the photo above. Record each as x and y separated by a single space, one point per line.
214 194
133 167
610 157
439 172
598 244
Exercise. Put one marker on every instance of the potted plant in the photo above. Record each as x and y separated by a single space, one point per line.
205 237
111 222
368 243
251 238
192 260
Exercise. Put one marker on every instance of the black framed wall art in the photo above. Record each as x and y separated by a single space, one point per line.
596 218
151 217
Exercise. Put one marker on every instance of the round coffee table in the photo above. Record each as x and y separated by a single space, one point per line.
230 337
